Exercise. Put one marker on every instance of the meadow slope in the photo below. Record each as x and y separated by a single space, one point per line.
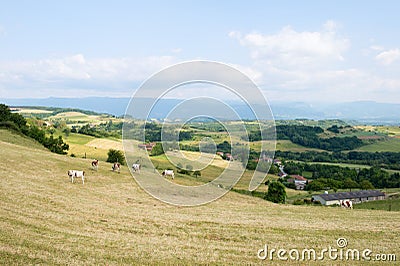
45 219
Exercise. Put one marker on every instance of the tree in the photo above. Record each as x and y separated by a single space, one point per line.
365 184
276 192
350 183
157 149
115 156
197 173
56 145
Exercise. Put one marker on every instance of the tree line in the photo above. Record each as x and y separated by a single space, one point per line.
389 160
307 136
337 177
19 124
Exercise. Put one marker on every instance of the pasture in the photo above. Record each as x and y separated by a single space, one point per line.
95 148
386 205
45 219
26 110
391 144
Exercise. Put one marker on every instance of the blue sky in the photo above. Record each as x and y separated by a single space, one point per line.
312 51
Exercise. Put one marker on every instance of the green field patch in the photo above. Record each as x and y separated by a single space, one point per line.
287 145
390 144
349 165
17 138
79 139
386 205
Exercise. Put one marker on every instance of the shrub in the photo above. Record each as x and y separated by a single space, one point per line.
115 156
184 171
157 149
276 192
298 202
307 201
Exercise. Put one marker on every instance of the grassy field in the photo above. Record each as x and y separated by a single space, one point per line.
391 144
388 204
31 111
91 147
45 219
349 165
388 130
76 116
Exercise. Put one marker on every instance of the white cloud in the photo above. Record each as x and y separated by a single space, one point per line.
388 57
310 66
76 72
290 48
376 48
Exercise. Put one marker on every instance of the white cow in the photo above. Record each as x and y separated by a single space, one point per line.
75 173
346 204
170 173
136 167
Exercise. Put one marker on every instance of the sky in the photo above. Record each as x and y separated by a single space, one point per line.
308 51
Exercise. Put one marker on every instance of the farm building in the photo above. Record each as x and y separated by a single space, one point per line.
147 147
299 181
354 196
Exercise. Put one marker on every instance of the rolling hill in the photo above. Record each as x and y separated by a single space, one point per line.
364 111
45 219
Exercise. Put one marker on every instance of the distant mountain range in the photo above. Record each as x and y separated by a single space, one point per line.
363 111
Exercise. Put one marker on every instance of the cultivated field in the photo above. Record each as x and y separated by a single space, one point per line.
91 147
44 219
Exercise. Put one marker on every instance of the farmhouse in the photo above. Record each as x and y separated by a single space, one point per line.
147 147
299 181
354 196
277 162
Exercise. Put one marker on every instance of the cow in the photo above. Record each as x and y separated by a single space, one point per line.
75 173
116 167
95 164
170 173
136 168
346 204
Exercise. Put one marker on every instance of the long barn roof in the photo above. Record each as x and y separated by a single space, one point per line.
352 195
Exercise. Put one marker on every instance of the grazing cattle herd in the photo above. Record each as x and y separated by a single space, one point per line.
116 167
348 204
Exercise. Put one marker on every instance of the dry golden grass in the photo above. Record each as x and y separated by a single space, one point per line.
105 144
203 158
44 219
32 111
81 145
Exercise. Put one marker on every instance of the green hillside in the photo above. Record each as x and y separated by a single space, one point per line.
45 219
391 144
